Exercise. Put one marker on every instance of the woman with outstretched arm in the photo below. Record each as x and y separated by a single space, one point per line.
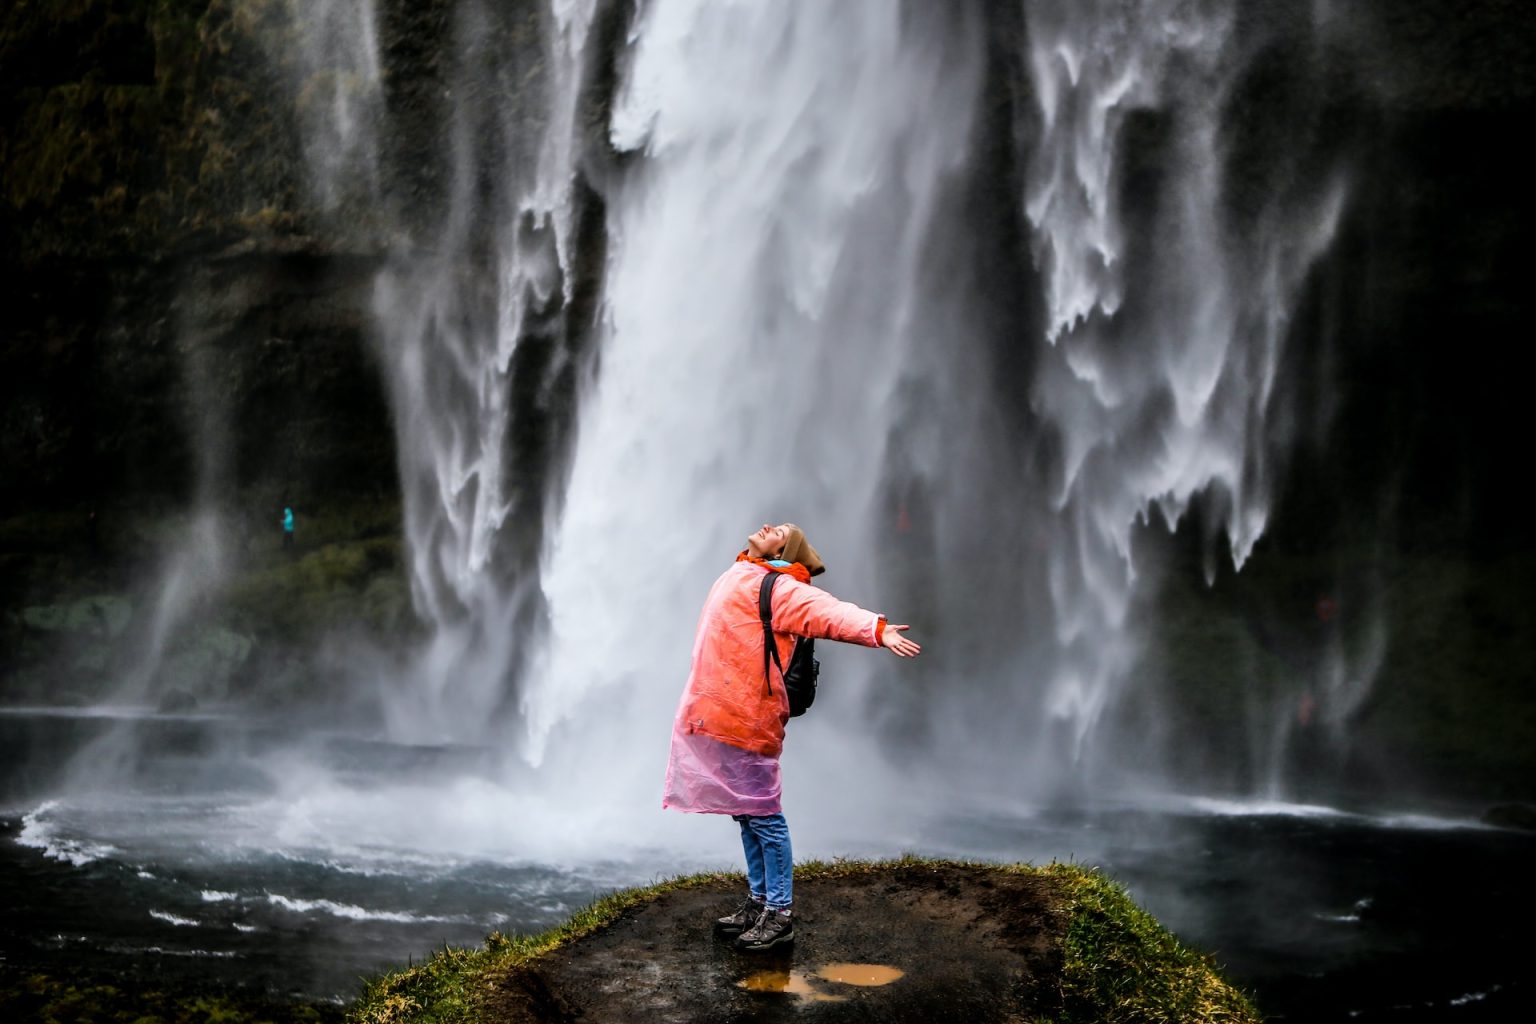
729 729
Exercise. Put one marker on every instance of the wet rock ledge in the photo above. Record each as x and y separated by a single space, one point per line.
905 940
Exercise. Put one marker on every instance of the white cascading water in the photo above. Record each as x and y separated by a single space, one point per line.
792 331
765 313
448 350
769 300
196 565
1172 400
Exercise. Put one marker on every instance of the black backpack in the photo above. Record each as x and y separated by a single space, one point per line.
800 677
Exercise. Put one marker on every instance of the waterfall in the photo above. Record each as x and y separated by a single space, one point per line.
1166 396
804 316
197 564
765 314
451 315
794 206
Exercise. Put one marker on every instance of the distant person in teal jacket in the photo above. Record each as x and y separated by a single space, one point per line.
287 526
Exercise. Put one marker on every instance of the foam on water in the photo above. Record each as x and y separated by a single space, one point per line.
1430 822
1386 820
355 913
211 954
1260 808
1475 997
40 832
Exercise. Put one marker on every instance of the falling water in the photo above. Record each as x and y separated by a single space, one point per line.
800 319
163 665
1161 372
795 333
765 319
451 316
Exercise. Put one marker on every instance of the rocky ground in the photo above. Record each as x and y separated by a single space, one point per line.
906 940
965 944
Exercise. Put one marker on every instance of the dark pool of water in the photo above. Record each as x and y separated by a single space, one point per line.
1322 916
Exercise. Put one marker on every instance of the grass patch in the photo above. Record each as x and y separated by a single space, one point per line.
75 998
1120 966
333 586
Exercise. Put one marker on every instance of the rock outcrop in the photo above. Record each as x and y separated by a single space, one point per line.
910 940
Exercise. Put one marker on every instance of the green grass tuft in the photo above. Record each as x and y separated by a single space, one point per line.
74 997
1121 967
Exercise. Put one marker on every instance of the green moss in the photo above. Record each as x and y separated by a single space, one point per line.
99 614
1121 966
342 573
82 999
145 125
79 138
325 588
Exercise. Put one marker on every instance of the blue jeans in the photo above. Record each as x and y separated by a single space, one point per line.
770 862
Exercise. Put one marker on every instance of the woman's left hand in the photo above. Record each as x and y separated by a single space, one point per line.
898 644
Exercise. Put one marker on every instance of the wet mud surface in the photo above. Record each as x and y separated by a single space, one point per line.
929 944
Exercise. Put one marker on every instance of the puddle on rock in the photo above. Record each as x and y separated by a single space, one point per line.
793 983
865 975
798 983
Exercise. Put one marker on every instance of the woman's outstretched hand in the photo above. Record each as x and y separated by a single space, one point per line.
900 645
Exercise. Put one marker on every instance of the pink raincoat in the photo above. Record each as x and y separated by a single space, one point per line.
729 728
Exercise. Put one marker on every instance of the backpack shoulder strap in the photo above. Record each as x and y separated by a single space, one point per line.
765 613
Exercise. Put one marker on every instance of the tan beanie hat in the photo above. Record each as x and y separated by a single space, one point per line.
798 549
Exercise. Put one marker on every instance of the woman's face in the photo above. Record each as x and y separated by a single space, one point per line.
768 542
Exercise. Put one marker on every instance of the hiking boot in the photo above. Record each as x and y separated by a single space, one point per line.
742 918
773 928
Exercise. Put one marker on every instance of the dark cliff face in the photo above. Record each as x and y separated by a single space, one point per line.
1399 536
154 221
157 217
1414 318
184 325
